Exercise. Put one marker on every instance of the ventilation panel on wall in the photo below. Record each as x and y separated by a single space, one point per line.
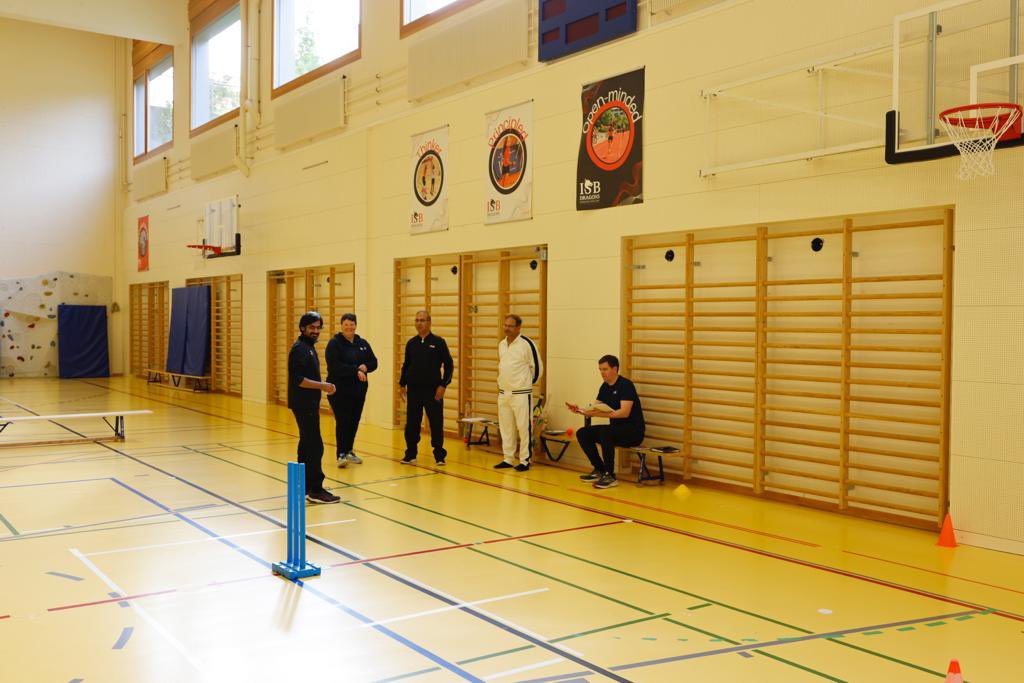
309 112
149 178
214 151
476 46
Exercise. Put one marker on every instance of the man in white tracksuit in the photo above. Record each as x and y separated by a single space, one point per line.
519 368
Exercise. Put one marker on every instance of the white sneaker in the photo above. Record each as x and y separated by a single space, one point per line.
342 460
353 458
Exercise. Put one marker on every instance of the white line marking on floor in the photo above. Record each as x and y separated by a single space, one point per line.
206 540
528 667
174 642
448 608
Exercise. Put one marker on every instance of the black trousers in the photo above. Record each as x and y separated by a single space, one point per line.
311 447
609 436
348 408
421 399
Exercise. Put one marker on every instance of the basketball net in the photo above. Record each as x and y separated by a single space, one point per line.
976 129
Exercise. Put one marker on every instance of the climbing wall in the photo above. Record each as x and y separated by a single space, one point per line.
28 318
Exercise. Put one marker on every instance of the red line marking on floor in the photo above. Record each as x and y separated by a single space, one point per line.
5 616
110 600
755 551
469 545
697 518
728 544
932 571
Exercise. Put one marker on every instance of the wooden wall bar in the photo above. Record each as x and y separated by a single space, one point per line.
468 296
819 376
330 290
149 318
225 331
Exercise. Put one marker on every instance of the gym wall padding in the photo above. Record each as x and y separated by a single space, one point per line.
82 346
176 335
197 331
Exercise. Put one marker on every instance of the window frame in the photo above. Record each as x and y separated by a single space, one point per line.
309 76
431 18
216 10
141 69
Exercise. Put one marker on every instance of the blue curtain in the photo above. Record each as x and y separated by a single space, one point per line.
188 343
82 346
197 335
176 334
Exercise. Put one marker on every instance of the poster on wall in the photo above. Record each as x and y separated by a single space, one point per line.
509 165
611 157
143 243
429 192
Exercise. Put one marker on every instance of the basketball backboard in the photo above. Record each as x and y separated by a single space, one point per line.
945 55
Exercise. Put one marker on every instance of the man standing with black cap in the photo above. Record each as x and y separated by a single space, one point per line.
426 373
304 387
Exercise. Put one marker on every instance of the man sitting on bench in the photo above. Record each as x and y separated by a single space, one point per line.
626 426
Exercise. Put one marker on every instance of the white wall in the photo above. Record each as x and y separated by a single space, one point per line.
353 209
59 188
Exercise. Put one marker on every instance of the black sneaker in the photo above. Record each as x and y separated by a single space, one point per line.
322 497
522 467
439 463
409 459
606 482
593 476
503 465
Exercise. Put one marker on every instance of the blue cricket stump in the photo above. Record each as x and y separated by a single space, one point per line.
296 567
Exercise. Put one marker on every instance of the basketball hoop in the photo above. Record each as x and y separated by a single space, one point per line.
211 248
975 129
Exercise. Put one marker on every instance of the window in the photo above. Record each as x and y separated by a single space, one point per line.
216 67
153 68
311 38
417 14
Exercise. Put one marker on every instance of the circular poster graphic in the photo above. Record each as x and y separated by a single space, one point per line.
428 179
507 163
611 136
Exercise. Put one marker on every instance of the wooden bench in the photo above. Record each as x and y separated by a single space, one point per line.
485 436
656 448
117 426
558 436
199 382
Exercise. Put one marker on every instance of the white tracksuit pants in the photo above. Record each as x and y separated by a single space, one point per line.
514 422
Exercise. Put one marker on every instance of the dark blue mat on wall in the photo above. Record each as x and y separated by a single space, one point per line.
177 331
82 345
197 335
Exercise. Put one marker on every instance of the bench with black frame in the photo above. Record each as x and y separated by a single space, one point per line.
485 436
199 382
661 450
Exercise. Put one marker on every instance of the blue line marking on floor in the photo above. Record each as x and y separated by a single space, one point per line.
62 575
323 596
118 595
122 640
746 654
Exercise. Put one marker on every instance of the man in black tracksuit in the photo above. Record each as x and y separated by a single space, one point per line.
304 387
349 362
422 384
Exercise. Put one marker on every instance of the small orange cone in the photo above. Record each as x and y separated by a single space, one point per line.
953 675
947 539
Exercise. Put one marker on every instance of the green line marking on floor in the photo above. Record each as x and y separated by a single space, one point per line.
762 653
906 628
873 633
964 617
648 638
706 604
10 527
936 623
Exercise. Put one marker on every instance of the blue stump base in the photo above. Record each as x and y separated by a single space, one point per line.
290 571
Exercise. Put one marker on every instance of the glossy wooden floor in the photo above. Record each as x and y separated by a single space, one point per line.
148 560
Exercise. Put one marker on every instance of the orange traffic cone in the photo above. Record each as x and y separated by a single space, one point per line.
953 675
947 539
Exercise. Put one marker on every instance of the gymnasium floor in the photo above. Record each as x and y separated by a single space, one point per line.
148 560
